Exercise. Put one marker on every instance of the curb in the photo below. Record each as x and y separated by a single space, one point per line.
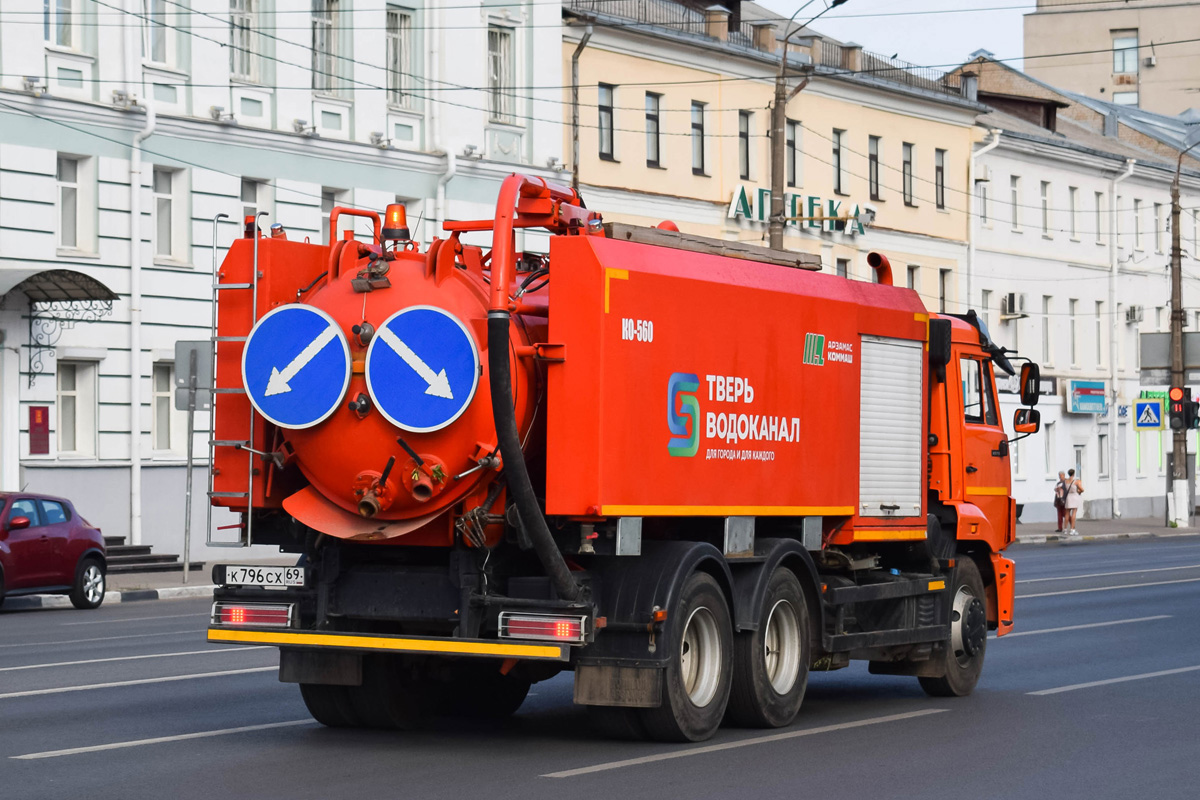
126 596
1096 537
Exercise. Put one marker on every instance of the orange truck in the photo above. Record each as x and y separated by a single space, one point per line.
467 449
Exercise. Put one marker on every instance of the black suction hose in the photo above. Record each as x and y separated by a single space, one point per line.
509 440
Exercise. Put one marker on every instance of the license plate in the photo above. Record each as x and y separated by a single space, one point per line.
266 577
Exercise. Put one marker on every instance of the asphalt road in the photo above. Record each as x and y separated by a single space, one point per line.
1096 695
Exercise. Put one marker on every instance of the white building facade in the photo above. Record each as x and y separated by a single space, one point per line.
288 107
1071 264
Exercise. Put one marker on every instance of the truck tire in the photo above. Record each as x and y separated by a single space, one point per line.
483 692
387 698
962 655
613 722
770 665
697 677
330 705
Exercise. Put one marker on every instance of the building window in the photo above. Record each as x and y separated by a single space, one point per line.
1014 188
792 152
943 289
843 267
1102 452
985 305
1137 224
243 60
907 173
399 58
1073 308
1045 208
873 166
76 403
914 278
1073 210
981 190
1125 52
160 424
697 138
1048 437
1047 346
501 72
837 161
653 139
1099 217
324 46
164 212
1125 98
744 144
256 197
57 22
1159 224
1099 334
604 106
155 44
1195 233
939 177
68 202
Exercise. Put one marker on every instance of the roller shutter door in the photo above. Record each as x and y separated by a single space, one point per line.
890 451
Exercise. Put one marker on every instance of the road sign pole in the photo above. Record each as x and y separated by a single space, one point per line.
1179 487
191 434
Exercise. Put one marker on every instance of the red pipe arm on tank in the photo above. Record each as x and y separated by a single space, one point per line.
352 212
882 267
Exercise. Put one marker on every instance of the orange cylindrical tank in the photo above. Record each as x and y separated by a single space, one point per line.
360 460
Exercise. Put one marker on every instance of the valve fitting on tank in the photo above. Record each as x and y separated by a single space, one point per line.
424 480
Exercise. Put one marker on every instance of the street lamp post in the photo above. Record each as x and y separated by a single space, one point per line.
778 122
1179 483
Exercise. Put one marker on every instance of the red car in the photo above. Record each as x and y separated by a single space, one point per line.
47 548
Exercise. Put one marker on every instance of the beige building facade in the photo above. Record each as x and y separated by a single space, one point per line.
1131 52
674 125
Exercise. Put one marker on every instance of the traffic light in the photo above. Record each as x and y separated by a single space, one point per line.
1192 413
1181 409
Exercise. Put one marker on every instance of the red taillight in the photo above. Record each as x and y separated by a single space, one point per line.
543 626
256 614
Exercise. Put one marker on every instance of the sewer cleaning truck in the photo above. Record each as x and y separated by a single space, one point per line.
687 471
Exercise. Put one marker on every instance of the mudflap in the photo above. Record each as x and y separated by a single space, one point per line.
1001 593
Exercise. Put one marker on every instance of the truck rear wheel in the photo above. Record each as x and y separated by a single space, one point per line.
770 665
482 691
329 705
697 677
962 654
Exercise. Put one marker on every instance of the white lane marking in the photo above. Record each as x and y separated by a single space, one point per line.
191 632
162 739
168 679
1083 627
133 619
716 748
133 658
1107 588
1090 684
1107 574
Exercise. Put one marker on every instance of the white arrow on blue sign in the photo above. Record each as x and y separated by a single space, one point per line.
422 368
296 366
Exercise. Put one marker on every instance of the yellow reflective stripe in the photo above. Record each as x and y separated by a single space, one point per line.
935 585
726 511
989 490
446 646
611 273
888 535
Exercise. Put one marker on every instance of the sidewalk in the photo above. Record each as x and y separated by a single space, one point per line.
1099 530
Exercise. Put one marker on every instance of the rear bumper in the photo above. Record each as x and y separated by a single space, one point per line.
383 643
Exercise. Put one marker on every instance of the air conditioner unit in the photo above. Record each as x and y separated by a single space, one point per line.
1134 314
983 173
1012 306
1150 61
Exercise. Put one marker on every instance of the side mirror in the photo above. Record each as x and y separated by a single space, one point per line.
1031 379
939 342
1027 420
17 523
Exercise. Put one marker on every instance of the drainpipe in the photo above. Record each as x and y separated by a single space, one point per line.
1113 425
451 169
587 35
971 213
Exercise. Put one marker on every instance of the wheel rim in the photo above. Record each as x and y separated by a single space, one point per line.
93 583
781 647
968 625
700 657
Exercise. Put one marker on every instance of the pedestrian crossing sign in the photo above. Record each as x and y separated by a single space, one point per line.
1148 414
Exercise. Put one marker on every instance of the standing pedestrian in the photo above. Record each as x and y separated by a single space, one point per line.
1074 501
1060 500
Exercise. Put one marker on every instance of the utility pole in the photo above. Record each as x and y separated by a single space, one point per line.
778 122
1179 483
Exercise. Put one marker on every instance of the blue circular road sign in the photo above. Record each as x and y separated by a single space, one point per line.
296 366
422 368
